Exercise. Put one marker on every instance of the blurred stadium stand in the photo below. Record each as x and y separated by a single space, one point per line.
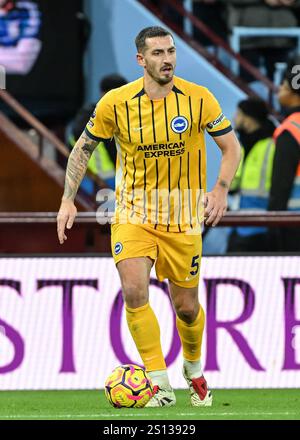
32 181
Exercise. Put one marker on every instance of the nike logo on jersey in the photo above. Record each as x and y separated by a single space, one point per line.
138 128
188 278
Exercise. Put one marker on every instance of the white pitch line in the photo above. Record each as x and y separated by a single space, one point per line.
164 414
203 414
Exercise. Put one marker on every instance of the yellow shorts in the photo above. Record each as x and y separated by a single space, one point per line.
177 255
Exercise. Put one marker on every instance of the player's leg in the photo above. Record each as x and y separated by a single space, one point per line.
179 261
130 245
190 321
143 325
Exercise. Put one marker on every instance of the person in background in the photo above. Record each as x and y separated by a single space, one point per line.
253 178
103 160
210 12
266 14
285 185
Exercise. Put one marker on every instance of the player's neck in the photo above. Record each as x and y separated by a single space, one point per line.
154 90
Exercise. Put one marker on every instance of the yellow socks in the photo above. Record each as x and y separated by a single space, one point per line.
191 336
144 329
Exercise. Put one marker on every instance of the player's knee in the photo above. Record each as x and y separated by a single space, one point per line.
134 294
187 312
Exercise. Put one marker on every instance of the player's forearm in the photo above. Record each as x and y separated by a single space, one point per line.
229 166
231 156
77 165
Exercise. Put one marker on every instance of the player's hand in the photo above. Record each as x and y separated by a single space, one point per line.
65 218
215 203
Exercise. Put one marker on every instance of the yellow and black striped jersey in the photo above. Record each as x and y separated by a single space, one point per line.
161 160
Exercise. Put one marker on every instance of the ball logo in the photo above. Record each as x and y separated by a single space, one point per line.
118 248
179 124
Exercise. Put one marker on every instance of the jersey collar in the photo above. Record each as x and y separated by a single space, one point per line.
142 92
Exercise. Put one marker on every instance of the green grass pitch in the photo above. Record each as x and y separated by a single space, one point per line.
263 404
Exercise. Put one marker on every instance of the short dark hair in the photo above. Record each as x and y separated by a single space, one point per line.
291 73
112 81
256 108
150 32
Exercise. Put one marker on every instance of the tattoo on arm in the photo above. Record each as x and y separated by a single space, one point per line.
223 183
77 165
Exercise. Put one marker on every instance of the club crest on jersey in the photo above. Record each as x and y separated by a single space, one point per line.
179 124
118 248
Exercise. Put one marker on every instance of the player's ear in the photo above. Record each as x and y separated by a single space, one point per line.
140 59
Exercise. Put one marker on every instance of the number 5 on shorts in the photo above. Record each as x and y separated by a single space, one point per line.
195 264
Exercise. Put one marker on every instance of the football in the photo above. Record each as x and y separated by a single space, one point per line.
128 386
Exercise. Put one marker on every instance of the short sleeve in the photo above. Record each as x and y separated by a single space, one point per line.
214 120
102 122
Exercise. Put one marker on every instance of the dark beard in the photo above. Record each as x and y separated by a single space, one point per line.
160 81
